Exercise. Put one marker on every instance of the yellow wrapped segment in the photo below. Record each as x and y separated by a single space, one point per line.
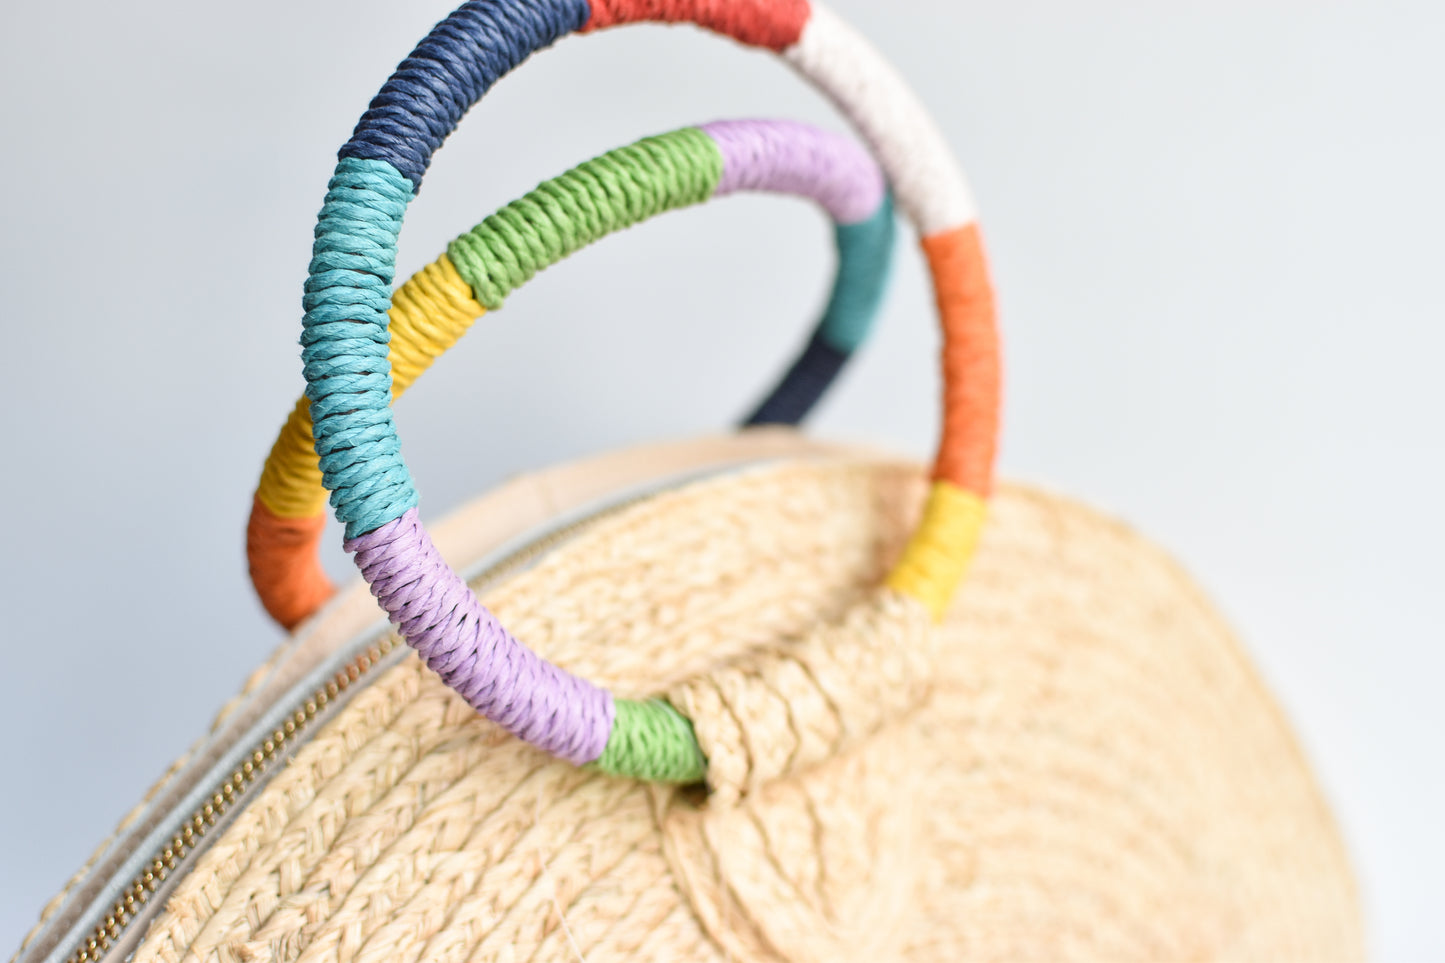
938 554
290 483
429 313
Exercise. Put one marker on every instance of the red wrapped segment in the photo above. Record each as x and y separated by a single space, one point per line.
774 24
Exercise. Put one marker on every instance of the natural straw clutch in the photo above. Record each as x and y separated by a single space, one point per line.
752 718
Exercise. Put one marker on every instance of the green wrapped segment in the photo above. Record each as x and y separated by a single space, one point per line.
594 199
652 741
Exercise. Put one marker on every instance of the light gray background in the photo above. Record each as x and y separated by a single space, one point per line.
1216 234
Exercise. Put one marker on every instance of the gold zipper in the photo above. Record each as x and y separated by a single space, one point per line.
148 882
139 892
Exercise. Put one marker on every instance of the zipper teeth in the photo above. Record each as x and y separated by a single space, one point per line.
144 885
135 896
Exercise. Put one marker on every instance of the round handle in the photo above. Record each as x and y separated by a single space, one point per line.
349 378
432 310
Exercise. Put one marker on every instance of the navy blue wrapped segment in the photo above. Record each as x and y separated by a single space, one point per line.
803 385
450 70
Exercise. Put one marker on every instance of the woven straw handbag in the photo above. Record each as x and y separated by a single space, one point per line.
760 713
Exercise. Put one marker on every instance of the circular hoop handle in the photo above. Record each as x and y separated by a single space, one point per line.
349 379
437 305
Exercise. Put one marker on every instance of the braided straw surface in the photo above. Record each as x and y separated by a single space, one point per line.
1078 763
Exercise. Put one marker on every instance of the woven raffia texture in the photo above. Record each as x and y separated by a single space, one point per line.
1079 764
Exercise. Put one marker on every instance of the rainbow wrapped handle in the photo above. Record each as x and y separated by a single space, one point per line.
349 379
437 305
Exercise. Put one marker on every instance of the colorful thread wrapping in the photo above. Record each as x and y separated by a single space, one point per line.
607 194
461 641
344 342
773 24
952 520
768 155
424 100
437 305
349 377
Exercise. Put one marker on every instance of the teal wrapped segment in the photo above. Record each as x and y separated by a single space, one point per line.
865 264
865 258
344 344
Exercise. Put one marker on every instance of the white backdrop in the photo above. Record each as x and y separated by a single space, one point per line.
1216 235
